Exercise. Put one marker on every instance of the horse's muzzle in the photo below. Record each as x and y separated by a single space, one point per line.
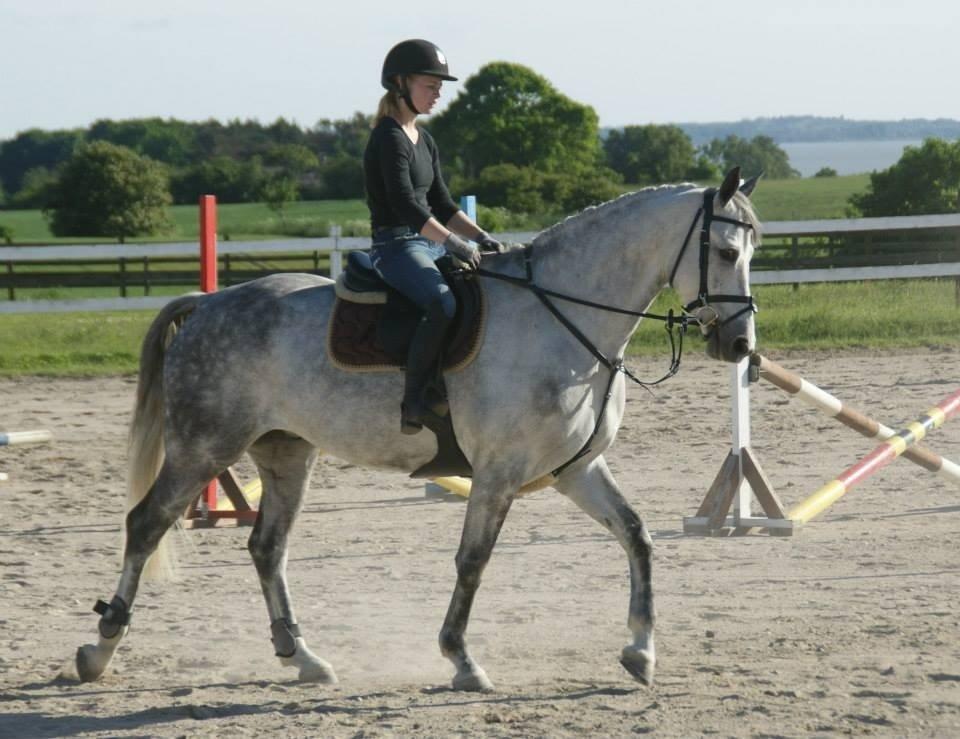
731 349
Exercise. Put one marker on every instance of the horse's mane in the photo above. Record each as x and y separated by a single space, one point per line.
588 215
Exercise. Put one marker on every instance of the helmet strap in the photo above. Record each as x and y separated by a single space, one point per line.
405 96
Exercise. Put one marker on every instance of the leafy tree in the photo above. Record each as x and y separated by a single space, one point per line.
6 234
292 159
925 180
650 153
341 137
527 190
35 189
109 190
32 149
759 154
826 172
169 141
508 114
231 181
341 177
278 192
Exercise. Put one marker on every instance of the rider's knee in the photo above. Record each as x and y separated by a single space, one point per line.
443 308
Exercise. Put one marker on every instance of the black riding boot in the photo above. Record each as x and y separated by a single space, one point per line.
421 363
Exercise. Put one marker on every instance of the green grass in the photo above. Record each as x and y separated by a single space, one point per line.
887 314
238 220
72 344
881 314
807 199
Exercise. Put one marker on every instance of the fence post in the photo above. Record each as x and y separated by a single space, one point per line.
11 293
336 264
123 277
208 284
146 275
208 243
468 204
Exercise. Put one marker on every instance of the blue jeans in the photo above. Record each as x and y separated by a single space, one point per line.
407 262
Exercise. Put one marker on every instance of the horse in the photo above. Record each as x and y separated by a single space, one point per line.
246 370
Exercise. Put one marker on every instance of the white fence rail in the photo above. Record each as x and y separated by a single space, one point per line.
336 246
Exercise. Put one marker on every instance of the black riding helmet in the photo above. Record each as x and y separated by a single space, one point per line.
414 56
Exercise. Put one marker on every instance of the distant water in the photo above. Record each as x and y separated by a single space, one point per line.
847 157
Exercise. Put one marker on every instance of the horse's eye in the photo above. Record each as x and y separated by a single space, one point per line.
729 254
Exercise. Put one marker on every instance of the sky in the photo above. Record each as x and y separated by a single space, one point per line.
67 63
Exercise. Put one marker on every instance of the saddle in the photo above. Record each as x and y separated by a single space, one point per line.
372 326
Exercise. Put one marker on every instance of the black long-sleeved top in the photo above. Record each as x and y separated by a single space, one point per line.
403 181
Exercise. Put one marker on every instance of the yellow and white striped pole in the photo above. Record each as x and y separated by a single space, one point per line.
880 457
823 401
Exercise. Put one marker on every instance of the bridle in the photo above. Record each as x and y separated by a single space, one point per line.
616 366
704 298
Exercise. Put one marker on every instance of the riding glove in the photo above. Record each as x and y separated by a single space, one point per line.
463 250
487 243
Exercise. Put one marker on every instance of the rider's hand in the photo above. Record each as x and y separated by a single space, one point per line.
463 250
487 243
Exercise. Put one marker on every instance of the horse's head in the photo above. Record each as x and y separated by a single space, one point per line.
714 280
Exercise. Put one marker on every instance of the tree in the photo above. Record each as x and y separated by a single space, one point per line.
925 180
759 154
278 191
650 153
109 190
231 181
826 172
31 149
35 189
508 114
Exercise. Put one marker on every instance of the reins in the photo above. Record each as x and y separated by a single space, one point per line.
670 320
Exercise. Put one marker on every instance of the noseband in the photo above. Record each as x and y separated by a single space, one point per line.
704 298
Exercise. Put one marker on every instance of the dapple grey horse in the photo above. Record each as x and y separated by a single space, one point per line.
246 370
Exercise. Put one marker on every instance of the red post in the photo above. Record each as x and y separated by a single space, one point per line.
208 284
208 243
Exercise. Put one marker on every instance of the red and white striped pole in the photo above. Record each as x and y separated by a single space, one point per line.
880 457
208 284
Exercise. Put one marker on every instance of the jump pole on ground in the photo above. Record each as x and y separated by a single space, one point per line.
812 395
880 457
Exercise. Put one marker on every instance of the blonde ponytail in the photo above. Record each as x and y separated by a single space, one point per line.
390 105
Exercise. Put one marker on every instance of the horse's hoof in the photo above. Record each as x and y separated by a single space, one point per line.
639 663
90 663
473 682
318 673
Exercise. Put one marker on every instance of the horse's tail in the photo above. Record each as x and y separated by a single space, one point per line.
145 444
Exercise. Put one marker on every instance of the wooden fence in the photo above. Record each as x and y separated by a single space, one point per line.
792 252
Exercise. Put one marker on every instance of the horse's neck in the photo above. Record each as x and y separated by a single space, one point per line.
617 261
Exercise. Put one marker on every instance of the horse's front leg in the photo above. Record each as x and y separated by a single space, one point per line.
594 490
486 510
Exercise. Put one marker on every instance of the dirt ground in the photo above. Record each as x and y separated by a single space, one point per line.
851 626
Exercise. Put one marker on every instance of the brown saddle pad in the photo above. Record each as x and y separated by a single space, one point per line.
352 334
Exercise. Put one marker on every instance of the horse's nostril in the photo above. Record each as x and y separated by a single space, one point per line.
741 346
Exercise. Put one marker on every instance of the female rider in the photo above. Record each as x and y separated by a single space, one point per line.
414 221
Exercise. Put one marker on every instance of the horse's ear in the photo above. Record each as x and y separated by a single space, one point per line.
748 187
730 185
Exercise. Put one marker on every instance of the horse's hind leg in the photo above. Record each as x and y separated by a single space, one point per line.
595 491
175 487
284 463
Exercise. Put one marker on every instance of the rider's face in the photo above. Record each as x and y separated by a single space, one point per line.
424 91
